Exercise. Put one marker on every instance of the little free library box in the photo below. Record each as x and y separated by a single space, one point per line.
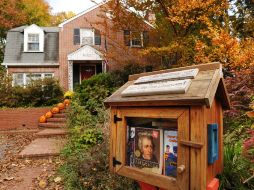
167 127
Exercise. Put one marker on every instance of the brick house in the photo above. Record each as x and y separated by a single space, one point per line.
31 52
75 50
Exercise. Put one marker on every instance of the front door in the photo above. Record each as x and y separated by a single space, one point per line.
87 71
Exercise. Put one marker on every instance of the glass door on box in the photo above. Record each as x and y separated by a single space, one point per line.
149 146
152 145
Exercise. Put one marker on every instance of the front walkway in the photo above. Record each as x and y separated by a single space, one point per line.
26 174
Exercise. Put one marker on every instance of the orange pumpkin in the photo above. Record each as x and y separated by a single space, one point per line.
55 110
43 119
60 106
67 102
48 114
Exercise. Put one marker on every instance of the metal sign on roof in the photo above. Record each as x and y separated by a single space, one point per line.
162 87
177 75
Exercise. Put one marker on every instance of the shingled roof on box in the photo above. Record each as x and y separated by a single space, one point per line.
207 85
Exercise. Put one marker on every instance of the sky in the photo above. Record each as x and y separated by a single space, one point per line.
75 6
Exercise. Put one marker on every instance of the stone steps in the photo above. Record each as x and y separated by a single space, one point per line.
52 132
52 125
56 119
43 147
59 115
50 140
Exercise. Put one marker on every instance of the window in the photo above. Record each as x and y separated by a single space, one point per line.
33 42
48 75
86 36
22 79
76 36
135 38
32 76
33 39
18 79
97 37
127 40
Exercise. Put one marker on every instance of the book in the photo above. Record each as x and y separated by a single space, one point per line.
130 145
170 153
148 150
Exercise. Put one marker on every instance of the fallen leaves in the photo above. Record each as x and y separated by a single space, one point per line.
8 178
26 173
42 184
57 179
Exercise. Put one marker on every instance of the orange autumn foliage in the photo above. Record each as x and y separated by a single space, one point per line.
226 49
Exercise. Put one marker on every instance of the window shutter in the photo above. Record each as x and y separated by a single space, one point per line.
97 40
127 40
76 36
145 38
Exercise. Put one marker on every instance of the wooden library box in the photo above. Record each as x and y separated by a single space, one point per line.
167 127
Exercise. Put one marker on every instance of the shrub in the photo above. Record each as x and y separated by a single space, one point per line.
237 165
37 93
236 168
249 141
5 87
240 89
92 92
86 155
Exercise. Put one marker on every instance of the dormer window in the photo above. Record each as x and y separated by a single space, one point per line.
33 39
33 43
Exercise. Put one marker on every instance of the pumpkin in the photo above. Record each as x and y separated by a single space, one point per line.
43 119
55 110
48 114
60 106
67 102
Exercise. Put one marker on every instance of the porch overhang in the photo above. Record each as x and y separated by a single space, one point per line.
87 53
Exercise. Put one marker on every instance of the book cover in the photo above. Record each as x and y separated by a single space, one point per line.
170 153
130 146
148 149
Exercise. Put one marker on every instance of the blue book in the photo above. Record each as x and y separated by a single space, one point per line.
170 153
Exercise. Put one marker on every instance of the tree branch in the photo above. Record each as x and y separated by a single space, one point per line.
165 11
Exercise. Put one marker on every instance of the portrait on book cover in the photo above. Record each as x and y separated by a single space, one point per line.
148 149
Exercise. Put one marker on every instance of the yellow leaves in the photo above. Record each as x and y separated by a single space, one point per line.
189 12
200 56
224 48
